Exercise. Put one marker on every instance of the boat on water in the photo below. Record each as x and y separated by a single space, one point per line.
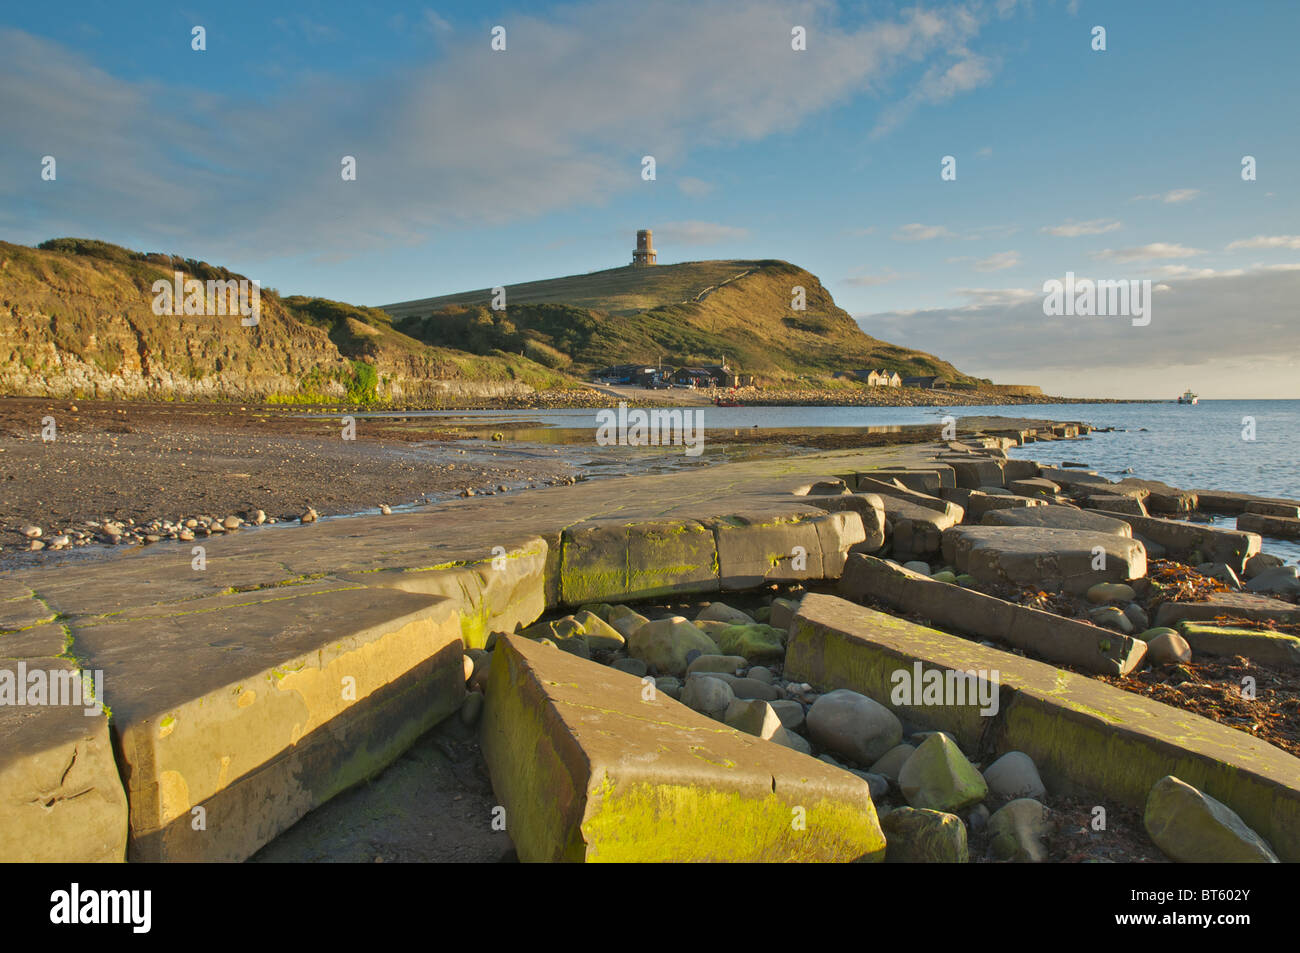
1188 398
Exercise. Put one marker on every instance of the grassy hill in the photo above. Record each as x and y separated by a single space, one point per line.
693 312
79 322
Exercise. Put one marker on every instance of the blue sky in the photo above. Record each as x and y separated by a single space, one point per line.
477 168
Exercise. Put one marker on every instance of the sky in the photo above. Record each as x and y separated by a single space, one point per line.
478 167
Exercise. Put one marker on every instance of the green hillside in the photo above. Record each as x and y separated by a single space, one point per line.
688 313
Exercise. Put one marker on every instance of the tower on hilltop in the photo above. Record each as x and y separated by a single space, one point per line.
645 252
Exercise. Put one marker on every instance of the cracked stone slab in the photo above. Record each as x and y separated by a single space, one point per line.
257 707
61 799
591 767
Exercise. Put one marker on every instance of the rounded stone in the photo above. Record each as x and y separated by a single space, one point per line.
665 643
1111 617
709 696
892 761
921 836
853 726
721 612
1014 775
1168 648
718 664
1017 829
1110 592
938 776
1192 827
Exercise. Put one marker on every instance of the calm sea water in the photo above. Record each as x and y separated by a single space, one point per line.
1186 446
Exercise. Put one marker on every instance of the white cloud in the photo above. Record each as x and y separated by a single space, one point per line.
1174 195
1003 334
1153 251
1267 241
697 233
938 85
1073 229
998 261
916 232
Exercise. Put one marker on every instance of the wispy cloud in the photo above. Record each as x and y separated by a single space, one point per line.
1267 241
916 232
1151 252
698 233
998 261
1174 195
1073 229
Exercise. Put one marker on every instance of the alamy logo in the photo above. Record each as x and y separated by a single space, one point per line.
191 296
1085 297
654 428
61 687
133 907
945 687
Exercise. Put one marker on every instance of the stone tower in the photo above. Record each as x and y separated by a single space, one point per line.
645 250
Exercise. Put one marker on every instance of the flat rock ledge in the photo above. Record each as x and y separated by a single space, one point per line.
591 766
1084 735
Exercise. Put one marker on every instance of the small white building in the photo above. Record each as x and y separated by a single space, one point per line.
883 378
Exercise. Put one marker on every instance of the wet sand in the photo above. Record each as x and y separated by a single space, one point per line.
132 463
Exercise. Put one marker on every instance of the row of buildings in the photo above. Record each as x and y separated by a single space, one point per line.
879 377
720 375
698 377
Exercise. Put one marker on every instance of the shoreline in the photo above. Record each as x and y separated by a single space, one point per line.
177 472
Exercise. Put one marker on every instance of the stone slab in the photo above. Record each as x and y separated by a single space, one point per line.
1222 501
972 474
1058 517
871 513
615 559
291 695
1083 735
977 503
1265 646
591 767
929 480
61 799
1043 557
1244 605
1045 635
1279 527
1180 538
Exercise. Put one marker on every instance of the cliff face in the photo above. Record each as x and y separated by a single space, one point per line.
83 325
